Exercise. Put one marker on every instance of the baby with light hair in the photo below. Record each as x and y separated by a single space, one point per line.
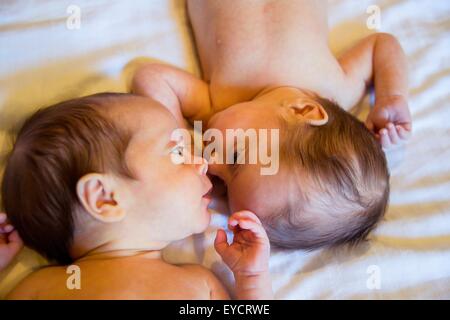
267 64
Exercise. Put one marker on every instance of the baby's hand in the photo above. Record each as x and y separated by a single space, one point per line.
248 256
10 242
250 251
390 120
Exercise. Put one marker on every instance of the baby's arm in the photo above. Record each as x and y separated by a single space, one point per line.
248 256
379 59
10 242
185 95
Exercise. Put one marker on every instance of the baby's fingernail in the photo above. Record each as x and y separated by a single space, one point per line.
2 217
8 228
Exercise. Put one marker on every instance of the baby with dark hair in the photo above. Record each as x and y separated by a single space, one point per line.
96 182
267 64
108 197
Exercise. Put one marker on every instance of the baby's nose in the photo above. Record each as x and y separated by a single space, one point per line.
201 165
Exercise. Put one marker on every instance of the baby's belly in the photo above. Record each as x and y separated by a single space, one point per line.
249 45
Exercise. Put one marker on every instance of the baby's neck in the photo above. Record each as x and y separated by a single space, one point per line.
84 250
113 254
282 93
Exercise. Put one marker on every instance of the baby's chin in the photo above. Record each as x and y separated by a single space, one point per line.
204 220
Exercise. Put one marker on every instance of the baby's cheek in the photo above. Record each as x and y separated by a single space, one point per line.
248 199
187 184
236 199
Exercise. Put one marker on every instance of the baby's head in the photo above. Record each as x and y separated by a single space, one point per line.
93 171
332 186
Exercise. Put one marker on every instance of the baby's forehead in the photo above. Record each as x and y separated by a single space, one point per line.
137 114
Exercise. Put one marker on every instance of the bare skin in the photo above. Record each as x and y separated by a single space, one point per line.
262 59
143 274
250 47
110 278
125 223
257 54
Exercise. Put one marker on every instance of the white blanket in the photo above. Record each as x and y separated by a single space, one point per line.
42 61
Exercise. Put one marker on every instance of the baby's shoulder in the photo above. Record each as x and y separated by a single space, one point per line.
36 282
157 279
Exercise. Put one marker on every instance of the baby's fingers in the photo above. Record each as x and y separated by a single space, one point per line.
15 242
220 242
2 217
244 214
393 133
256 229
403 133
4 226
384 139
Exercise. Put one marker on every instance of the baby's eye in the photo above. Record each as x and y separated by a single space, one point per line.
178 150
177 154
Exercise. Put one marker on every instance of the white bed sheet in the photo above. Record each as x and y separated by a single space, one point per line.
42 62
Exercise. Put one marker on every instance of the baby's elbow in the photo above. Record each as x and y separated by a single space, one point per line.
385 38
145 77
150 68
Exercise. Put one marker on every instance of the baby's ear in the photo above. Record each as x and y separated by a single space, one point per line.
307 110
95 192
